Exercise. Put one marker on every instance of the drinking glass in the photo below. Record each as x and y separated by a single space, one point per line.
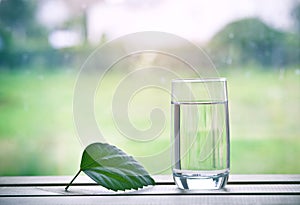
200 133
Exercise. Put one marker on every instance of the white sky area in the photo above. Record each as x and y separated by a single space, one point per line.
195 20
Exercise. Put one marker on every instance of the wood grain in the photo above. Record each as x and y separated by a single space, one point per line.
241 189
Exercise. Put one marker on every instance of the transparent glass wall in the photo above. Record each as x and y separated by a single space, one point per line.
43 44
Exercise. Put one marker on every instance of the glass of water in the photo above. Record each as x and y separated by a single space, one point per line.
200 133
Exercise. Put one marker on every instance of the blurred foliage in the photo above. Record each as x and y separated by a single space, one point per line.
24 42
296 16
21 36
250 41
17 15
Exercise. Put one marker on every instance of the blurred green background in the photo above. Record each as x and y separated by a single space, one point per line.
37 79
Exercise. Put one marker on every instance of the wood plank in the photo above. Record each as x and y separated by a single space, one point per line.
242 189
145 200
43 180
280 189
264 178
160 179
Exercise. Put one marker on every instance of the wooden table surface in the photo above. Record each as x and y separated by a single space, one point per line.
241 189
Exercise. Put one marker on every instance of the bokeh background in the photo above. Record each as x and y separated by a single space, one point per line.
254 44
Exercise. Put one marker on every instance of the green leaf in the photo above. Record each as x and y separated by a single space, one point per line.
112 168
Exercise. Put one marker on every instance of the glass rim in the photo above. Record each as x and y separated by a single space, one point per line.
198 80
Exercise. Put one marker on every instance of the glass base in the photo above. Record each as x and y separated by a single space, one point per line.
205 180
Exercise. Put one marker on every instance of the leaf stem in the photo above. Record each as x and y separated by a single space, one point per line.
66 189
